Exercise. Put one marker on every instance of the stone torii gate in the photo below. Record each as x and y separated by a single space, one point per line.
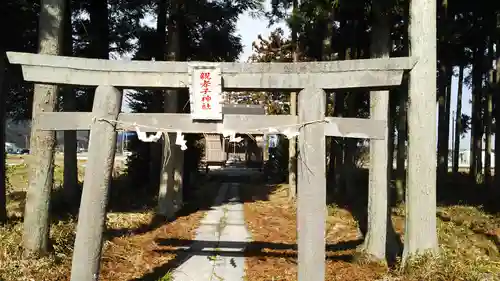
310 79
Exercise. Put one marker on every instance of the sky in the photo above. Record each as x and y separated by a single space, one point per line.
249 28
466 109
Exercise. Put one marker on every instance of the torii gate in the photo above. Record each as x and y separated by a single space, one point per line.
311 79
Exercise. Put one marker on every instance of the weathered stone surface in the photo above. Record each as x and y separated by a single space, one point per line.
236 76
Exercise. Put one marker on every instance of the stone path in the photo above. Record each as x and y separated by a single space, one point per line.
217 253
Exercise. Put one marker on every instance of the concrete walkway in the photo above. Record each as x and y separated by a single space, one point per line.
217 253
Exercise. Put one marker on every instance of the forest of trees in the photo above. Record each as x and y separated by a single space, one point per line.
468 36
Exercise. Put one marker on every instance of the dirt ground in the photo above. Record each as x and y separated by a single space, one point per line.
467 252
468 235
140 257
131 250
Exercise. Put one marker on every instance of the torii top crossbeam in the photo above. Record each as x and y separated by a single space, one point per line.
236 76
368 73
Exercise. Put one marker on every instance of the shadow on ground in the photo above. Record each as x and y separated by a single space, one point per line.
352 195
462 189
202 197
185 249
128 196
455 189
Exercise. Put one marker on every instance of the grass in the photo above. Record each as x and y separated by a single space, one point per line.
12 265
167 277
17 178
130 251
468 237
467 250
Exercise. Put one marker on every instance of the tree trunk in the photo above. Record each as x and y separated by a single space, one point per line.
155 152
99 37
86 261
155 162
70 183
330 143
332 154
497 119
391 139
473 152
338 145
476 130
420 229
292 143
444 119
350 144
401 144
36 217
441 143
375 239
3 175
338 111
446 148
488 113
402 121
170 197
458 119
99 29
444 94
165 206
98 32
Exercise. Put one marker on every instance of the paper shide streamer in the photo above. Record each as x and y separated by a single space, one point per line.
179 140
231 135
290 132
143 137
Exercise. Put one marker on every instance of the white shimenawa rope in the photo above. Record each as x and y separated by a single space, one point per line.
290 131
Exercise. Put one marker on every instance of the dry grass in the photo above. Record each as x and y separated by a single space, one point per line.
130 250
468 238
17 180
133 256
24 159
466 254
